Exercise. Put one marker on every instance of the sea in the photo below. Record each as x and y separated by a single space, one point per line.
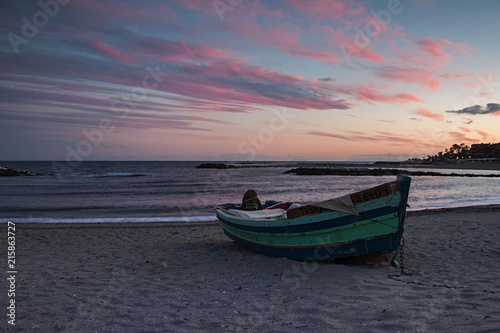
118 191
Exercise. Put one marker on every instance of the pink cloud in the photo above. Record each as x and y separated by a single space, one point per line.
484 135
438 50
187 48
435 48
370 95
411 59
387 121
363 138
330 135
322 56
112 10
198 118
191 78
430 114
351 115
110 52
197 5
169 50
229 79
385 133
409 74
423 65
347 43
462 48
232 80
284 37
449 76
308 123
334 24
405 98
398 139
256 8
465 129
462 138
331 9
367 53
383 136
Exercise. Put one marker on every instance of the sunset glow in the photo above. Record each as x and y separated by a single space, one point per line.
246 80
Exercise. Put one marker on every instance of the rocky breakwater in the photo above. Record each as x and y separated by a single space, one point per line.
214 166
376 172
6 172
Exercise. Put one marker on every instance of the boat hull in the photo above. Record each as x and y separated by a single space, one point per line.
326 234
320 253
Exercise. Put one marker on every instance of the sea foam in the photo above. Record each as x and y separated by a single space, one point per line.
186 219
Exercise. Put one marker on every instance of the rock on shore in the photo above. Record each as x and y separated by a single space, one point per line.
6 172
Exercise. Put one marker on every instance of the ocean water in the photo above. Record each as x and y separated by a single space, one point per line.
177 191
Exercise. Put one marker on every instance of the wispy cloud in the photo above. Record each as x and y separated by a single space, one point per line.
109 51
436 48
382 137
460 137
465 129
351 115
330 135
486 136
308 123
429 114
367 94
421 76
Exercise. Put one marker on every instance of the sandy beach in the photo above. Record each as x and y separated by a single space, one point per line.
192 278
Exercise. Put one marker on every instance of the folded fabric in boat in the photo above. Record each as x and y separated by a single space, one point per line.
275 211
341 204
258 214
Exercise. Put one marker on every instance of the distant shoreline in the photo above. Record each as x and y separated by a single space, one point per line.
494 165
376 172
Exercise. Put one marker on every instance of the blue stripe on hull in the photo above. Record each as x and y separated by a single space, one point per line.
308 227
357 248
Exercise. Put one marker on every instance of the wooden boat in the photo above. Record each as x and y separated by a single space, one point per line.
362 223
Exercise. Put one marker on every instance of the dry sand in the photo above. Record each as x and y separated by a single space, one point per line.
171 278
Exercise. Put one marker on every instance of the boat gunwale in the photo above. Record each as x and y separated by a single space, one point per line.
307 219
310 226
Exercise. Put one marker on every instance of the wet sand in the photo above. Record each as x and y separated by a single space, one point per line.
192 278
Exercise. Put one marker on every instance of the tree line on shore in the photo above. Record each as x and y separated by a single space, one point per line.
456 151
463 151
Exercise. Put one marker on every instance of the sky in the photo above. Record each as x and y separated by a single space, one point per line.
246 79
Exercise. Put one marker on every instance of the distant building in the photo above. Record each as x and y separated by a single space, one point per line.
497 149
485 150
